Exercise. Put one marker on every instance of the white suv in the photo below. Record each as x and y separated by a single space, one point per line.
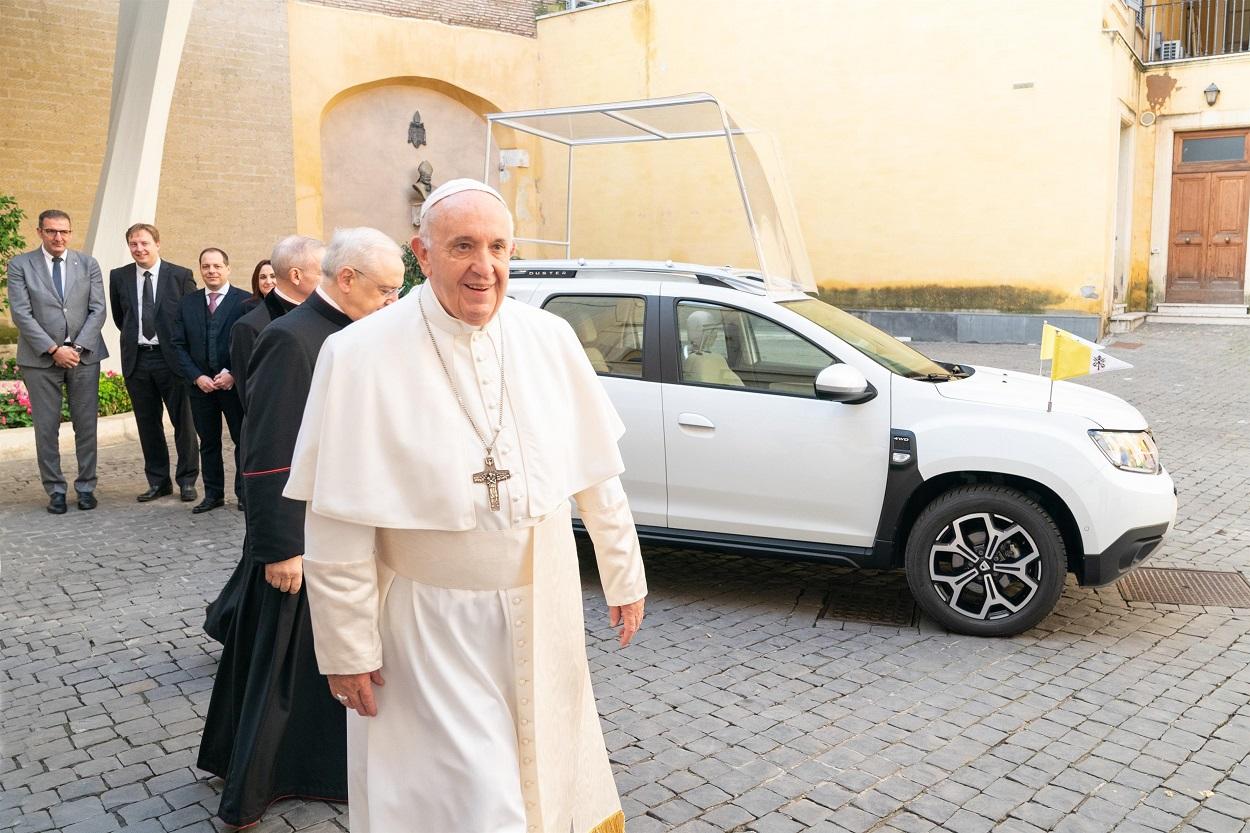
785 426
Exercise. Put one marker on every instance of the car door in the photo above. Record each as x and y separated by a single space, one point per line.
749 448
619 332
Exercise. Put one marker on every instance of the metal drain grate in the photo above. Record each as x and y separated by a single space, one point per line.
1185 587
873 604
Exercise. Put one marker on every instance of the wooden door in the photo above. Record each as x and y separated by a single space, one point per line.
1210 207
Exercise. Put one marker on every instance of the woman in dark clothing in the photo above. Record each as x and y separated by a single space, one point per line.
262 283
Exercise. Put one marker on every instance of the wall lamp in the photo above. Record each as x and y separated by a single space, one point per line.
1212 94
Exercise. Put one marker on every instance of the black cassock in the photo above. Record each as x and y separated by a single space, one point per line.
243 337
273 729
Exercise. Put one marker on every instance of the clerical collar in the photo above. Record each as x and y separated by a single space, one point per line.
448 323
290 301
326 297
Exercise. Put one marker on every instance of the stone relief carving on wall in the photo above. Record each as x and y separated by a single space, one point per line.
416 130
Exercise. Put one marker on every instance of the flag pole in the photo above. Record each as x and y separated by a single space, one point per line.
1050 398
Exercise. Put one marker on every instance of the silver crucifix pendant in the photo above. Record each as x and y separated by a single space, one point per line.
491 477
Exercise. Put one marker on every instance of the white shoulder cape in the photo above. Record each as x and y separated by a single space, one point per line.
382 438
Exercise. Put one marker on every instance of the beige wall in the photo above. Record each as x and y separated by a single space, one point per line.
335 54
965 143
1174 93
368 165
227 178
54 105
227 174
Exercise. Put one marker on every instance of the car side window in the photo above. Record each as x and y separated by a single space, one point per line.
732 348
610 328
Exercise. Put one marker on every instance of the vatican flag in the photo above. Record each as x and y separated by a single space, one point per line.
1073 356
1048 340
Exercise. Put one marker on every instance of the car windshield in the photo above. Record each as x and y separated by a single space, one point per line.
882 348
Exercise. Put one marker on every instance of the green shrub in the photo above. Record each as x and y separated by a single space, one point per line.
15 402
11 241
413 276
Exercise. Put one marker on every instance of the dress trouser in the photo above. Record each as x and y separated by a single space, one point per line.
152 386
207 409
82 386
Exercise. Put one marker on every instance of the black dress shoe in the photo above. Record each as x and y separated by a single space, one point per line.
155 492
240 506
187 493
56 503
87 501
208 504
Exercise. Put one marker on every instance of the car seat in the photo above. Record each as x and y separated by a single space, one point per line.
702 364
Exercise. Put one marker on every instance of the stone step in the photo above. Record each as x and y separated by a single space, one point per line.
1126 322
1203 310
1225 320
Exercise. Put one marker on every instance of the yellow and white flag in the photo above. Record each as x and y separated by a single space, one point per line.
1048 340
1073 356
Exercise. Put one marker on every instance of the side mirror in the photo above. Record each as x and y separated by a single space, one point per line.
843 383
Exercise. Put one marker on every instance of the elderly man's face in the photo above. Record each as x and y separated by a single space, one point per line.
467 259
362 291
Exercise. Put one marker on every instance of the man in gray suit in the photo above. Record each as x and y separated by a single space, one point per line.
56 296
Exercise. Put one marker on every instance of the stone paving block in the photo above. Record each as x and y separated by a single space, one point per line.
1106 710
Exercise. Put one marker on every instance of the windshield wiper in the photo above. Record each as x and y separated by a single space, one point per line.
935 377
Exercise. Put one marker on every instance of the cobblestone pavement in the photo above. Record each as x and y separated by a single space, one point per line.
738 708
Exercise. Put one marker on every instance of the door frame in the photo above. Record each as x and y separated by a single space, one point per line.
1166 128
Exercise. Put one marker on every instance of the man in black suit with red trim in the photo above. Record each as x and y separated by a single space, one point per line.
144 297
202 341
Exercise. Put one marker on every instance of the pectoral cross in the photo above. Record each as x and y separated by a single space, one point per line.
491 477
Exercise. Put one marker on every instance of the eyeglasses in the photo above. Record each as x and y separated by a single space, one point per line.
384 291
57 232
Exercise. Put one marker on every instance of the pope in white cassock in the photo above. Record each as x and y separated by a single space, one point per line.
441 443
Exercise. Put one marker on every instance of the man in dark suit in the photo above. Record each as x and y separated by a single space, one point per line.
145 296
297 272
202 340
56 296
296 265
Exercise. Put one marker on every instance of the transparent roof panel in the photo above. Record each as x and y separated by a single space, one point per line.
773 233
672 118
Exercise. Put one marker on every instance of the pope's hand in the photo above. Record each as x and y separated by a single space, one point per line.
287 576
355 691
628 618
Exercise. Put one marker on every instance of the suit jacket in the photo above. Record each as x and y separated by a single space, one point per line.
190 337
44 320
243 337
173 282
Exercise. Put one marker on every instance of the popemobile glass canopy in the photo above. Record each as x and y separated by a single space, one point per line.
754 167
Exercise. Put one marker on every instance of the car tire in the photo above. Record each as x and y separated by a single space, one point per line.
986 561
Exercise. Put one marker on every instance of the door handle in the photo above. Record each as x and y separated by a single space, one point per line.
689 420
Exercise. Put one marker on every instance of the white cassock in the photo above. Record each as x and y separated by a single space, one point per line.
487 721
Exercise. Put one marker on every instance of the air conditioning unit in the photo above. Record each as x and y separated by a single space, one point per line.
1171 50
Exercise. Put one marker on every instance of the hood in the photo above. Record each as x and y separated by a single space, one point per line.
1007 388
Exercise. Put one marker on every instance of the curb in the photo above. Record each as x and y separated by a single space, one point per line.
19 443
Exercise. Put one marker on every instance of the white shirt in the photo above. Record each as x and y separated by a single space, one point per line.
47 261
155 269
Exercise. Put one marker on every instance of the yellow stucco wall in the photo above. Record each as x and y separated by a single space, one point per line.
335 52
972 143
1174 94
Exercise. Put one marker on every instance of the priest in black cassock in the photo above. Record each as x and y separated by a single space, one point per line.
273 730
297 272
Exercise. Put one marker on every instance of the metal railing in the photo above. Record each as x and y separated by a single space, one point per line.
1178 30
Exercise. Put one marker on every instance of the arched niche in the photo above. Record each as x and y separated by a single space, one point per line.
368 165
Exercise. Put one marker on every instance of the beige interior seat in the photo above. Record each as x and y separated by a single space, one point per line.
702 364
588 335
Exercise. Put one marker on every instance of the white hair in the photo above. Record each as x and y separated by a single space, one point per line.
356 247
294 252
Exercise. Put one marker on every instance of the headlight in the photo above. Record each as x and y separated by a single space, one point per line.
1129 450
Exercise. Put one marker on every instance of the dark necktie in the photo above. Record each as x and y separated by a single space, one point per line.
147 318
57 281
